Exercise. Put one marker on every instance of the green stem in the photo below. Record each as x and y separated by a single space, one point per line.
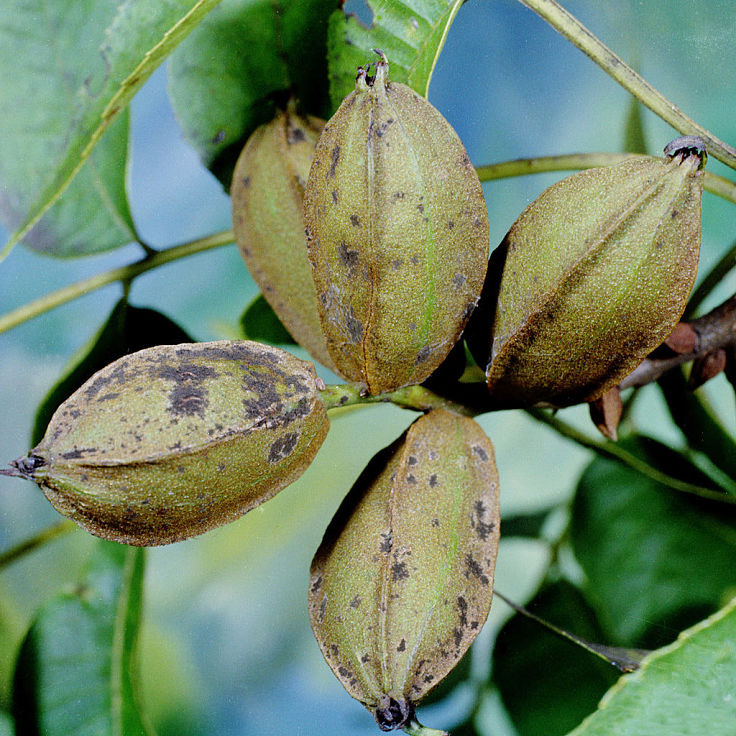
615 452
414 728
124 273
520 167
575 32
416 398
36 541
713 183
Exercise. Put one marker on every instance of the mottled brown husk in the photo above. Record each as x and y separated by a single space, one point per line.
596 274
397 234
267 199
402 582
172 441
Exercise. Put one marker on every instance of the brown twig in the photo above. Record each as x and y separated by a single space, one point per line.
715 330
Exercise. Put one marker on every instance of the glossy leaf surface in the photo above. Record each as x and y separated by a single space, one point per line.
685 688
410 34
224 78
120 45
655 559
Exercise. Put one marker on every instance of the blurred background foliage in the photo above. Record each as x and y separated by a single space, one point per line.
226 642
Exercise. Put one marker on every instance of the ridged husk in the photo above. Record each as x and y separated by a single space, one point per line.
402 582
267 199
592 277
397 234
172 441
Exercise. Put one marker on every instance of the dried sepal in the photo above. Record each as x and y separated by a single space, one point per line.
683 340
706 367
606 411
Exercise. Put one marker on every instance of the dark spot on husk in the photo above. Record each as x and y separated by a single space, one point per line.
323 608
317 584
396 196
435 522
245 181
462 606
348 256
458 636
450 225
414 259
423 355
187 400
78 453
294 135
399 571
110 396
186 373
433 480
283 447
365 658
402 646
334 196
116 375
411 480
480 452
397 263
387 541
344 671
335 650
355 220
411 460
482 528
472 567
428 678
458 280
383 127
335 158
355 602
354 327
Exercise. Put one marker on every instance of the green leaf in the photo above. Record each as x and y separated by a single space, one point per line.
525 525
548 684
655 560
45 65
411 34
685 689
76 672
127 330
259 322
105 51
225 76
696 421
